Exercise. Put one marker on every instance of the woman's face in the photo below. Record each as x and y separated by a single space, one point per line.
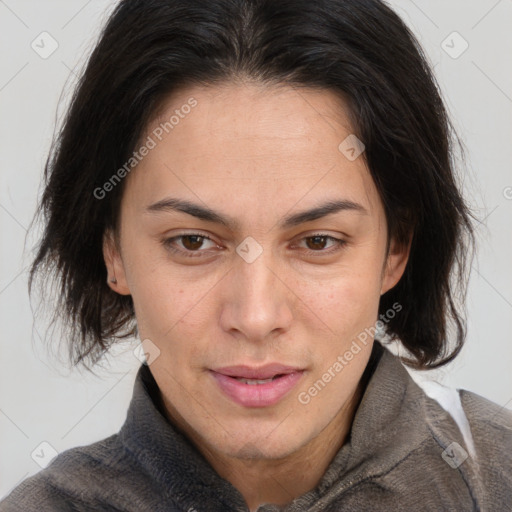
245 284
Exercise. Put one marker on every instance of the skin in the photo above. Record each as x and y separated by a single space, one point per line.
256 154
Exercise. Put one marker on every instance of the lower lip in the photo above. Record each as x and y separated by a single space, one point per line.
257 395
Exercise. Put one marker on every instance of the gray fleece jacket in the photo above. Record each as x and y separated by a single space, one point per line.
404 453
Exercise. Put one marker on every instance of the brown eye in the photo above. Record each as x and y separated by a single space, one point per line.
192 242
316 244
189 244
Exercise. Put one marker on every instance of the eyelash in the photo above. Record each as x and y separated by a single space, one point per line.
340 243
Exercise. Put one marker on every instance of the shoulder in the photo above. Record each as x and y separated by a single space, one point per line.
491 429
490 426
75 480
485 413
473 435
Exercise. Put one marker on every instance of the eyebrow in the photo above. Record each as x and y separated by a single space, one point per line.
170 204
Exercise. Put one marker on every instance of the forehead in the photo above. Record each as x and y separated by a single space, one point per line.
257 112
251 143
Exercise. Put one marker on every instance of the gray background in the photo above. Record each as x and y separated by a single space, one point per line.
43 402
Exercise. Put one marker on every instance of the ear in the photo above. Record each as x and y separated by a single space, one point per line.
395 264
116 277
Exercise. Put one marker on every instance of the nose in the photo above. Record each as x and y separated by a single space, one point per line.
257 304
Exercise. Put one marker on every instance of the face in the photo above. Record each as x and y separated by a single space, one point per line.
247 299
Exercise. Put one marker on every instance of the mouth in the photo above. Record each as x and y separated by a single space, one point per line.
257 387
254 382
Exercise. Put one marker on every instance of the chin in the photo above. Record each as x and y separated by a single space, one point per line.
258 449
273 443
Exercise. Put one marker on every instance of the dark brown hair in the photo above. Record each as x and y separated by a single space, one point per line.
360 49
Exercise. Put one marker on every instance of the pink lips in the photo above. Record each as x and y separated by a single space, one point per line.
257 394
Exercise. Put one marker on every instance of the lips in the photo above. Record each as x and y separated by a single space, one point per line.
264 372
257 387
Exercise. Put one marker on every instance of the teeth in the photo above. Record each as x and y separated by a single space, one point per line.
253 382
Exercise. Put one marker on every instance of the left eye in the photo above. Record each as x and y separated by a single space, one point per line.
316 243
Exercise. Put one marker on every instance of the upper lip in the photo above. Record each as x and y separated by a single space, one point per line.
262 372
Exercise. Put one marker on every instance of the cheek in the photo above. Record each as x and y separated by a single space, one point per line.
169 307
164 307
345 302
